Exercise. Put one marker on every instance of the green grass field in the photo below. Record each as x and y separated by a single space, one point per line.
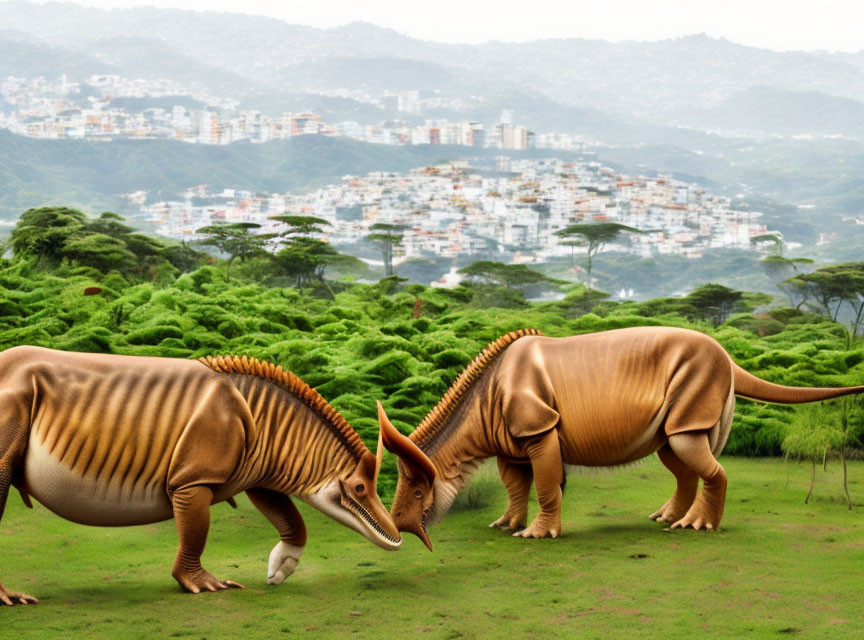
776 568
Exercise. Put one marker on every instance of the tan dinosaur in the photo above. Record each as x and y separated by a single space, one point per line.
114 440
597 400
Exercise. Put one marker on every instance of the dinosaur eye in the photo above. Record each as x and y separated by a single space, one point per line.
418 494
360 488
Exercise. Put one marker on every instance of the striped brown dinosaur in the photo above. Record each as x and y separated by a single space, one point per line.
605 399
111 440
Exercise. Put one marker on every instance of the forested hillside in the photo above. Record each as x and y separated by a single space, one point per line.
93 284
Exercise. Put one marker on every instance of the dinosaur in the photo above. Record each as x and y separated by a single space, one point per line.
596 400
112 440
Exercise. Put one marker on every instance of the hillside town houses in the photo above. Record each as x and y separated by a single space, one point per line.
454 210
100 109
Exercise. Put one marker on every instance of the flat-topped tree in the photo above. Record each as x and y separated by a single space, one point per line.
302 257
305 259
387 236
235 239
829 288
714 301
511 276
300 225
595 235
780 268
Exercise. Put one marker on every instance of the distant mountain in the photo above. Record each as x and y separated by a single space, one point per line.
766 110
646 80
376 74
24 58
136 57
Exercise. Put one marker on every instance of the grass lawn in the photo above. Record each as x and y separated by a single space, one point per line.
776 568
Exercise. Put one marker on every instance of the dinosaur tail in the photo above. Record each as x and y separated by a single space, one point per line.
749 386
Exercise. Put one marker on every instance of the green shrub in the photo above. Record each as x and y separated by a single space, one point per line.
153 335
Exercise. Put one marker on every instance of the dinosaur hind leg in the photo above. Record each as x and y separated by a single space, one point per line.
694 450
685 492
12 439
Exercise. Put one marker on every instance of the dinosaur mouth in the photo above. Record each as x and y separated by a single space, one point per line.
357 509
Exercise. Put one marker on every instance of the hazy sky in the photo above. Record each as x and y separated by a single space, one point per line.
775 24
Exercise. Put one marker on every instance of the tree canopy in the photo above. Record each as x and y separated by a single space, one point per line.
387 236
595 235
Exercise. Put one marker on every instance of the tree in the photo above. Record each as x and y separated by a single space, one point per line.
387 237
302 257
829 288
44 232
821 429
780 268
101 252
110 224
510 276
235 239
300 225
183 257
305 259
595 235
714 301
573 244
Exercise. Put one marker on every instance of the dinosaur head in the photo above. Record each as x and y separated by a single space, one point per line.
353 500
415 487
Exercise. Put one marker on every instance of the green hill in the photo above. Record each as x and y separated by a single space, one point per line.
92 175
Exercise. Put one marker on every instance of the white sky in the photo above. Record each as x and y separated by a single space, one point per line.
776 24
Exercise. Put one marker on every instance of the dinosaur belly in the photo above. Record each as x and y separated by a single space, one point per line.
616 441
92 499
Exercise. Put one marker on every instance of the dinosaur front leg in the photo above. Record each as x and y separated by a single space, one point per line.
192 513
694 450
685 493
8 597
283 514
517 481
10 444
544 451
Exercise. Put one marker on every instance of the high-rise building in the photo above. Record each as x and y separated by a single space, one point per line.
476 135
306 122
208 127
434 135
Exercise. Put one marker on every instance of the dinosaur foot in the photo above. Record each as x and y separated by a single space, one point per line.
702 515
201 580
508 522
540 529
672 511
283 560
11 598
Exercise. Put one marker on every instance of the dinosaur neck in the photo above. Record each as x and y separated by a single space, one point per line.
461 445
295 452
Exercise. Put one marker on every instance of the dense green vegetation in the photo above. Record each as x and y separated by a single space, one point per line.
777 568
357 343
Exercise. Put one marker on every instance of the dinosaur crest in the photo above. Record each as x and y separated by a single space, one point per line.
296 387
436 420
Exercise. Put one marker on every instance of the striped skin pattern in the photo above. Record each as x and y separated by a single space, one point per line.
597 400
112 440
